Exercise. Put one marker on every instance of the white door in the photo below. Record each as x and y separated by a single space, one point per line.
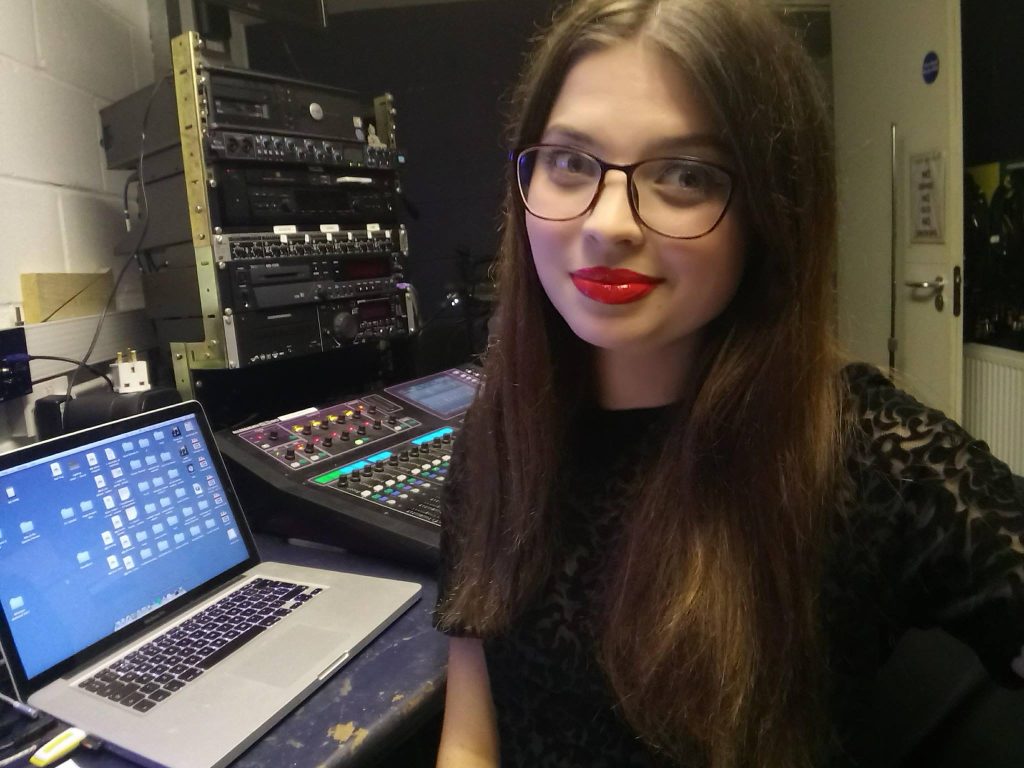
881 52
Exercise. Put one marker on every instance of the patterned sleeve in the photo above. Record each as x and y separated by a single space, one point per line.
959 556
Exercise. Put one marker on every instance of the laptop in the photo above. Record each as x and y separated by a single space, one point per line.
135 605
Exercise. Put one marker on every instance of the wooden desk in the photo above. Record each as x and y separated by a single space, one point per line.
373 703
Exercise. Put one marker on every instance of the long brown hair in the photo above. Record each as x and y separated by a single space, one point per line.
712 634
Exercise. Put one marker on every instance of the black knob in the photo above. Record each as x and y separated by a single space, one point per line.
341 418
367 471
373 409
447 437
309 447
393 461
325 425
344 436
414 451
425 448
289 455
328 441
361 429
376 423
404 455
273 434
308 429
343 481
379 466
344 327
392 420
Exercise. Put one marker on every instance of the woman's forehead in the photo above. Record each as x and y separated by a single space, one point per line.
625 97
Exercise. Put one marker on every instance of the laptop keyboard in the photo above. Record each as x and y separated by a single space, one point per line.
165 665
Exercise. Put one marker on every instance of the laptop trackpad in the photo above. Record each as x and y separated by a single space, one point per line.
292 652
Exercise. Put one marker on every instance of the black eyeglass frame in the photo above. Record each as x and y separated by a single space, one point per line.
628 169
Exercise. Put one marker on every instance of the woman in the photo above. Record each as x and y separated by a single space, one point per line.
679 530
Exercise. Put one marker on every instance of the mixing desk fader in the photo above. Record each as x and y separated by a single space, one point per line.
365 474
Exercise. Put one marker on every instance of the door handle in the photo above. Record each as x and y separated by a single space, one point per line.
936 285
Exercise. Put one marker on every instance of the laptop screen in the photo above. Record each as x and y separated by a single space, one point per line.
95 537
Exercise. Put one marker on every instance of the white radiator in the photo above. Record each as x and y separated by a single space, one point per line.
994 401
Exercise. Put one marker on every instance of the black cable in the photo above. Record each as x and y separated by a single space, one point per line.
143 211
95 371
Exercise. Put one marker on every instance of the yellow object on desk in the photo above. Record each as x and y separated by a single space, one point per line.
60 745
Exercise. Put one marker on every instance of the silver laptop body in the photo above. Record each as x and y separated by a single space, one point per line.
69 571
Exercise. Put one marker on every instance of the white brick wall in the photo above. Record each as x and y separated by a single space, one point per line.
60 62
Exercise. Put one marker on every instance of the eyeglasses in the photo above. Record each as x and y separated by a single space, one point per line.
677 197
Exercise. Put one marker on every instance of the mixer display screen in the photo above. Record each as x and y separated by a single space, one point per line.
444 394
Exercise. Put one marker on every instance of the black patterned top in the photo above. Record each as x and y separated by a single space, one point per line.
932 537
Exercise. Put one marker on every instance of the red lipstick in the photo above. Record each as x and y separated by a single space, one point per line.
612 286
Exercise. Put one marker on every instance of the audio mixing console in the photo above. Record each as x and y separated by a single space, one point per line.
365 474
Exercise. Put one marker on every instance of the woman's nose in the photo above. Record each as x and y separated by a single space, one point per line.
611 219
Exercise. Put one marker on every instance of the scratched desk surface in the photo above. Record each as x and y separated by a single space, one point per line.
372 704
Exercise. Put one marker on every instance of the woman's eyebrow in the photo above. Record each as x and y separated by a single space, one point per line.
661 147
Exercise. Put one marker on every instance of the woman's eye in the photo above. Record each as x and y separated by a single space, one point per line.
689 177
568 162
